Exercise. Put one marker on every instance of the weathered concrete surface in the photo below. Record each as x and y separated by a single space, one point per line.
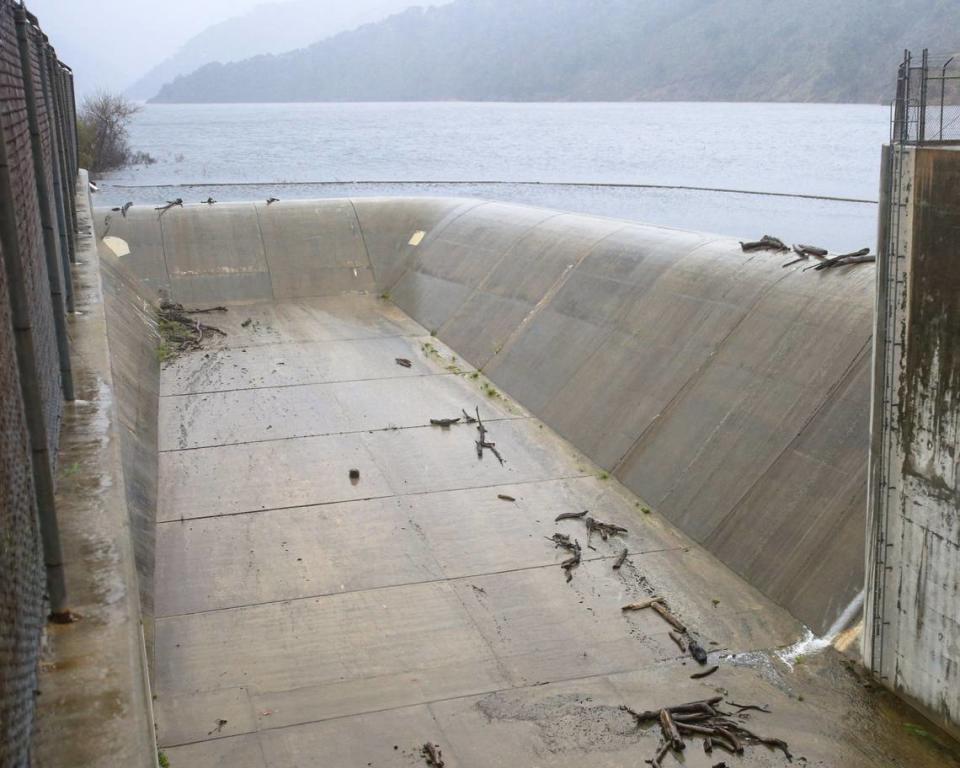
328 623
304 620
94 705
135 370
914 609
728 392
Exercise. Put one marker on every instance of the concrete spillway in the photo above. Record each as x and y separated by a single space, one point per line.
729 393
322 617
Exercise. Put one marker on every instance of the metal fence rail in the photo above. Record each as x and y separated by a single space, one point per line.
926 109
38 172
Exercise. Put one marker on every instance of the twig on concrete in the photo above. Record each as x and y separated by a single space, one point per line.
606 530
621 559
705 673
170 204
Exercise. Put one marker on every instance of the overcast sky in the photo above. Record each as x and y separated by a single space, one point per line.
109 43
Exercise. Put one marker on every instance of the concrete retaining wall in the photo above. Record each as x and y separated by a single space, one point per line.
728 392
913 612
135 368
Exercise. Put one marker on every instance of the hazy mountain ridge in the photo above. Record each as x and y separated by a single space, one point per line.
268 28
576 50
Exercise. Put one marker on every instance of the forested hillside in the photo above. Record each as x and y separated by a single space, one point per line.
583 50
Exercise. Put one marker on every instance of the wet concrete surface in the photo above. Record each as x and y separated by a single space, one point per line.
93 705
339 623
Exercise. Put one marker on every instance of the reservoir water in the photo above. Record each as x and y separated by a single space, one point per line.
803 172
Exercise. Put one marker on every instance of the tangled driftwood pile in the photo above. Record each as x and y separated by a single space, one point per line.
179 332
806 252
706 720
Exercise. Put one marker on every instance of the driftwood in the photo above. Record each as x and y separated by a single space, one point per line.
811 250
668 617
705 673
483 443
570 516
492 447
701 719
679 640
670 732
857 257
467 418
621 559
657 761
170 204
182 332
573 547
207 311
606 530
765 243
641 606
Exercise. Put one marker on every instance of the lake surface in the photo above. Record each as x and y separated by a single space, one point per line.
556 155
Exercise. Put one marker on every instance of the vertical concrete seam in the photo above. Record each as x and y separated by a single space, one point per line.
828 397
442 227
552 293
497 261
263 247
363 240
695 376
163 254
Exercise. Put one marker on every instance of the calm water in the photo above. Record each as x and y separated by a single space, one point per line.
251 151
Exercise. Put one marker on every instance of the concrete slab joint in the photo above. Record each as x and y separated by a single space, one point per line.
713 404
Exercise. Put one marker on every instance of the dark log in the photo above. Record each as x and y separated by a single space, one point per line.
705 673
678 639
621 559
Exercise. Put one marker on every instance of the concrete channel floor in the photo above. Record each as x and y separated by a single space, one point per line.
306 620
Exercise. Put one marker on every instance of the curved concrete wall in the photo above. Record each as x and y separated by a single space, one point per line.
729 393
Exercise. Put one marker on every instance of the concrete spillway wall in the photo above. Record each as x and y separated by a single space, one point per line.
728 392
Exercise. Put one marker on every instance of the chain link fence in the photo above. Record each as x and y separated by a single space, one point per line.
38 172
926 109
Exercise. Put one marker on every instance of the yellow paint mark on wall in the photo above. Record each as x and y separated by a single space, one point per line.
118 246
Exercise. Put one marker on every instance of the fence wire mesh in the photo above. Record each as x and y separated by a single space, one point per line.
926 109
37 161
